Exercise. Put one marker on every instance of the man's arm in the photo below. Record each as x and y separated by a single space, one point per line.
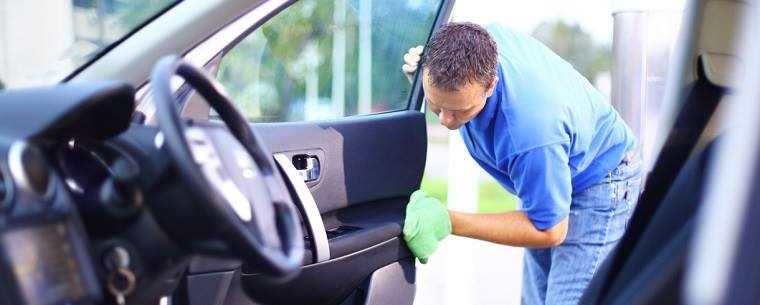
509 228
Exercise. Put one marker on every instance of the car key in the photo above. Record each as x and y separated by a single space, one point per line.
121 282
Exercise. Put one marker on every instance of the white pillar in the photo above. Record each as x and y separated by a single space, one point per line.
462 196
260 42
365 56
27 25
339 59
644 37
463 176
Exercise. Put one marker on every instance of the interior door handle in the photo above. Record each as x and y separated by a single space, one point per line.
307 167
308 207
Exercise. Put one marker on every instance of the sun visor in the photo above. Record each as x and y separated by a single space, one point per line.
95 110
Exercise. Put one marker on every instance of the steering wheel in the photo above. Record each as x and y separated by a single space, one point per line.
230 173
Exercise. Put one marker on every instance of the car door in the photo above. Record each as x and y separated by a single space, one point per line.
321 82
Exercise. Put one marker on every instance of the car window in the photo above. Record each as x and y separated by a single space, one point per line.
326 59
43 41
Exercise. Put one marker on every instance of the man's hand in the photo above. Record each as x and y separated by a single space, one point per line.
411 61
427 223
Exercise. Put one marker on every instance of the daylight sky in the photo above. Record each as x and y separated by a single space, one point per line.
594 16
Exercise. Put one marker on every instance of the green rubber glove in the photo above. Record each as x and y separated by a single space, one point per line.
427 223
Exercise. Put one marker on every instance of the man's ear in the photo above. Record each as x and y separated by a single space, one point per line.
492 87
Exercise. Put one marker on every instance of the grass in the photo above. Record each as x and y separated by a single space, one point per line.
492 198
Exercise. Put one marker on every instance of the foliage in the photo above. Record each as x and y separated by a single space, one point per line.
267 72
576 46
132 13
492 198
106 21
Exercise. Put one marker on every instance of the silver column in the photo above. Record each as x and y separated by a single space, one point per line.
643 41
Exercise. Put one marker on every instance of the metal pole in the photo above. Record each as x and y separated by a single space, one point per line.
643 40
311 57
365 57
339 59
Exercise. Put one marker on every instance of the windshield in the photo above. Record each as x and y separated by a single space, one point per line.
41 42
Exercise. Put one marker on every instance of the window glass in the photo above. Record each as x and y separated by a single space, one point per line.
325 59
43 41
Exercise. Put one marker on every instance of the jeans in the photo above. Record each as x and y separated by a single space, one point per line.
599 216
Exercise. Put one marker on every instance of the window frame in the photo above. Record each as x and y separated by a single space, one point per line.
207 54
417 95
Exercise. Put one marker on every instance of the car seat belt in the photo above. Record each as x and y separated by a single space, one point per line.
698 107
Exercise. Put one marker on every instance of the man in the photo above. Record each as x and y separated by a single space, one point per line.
545 134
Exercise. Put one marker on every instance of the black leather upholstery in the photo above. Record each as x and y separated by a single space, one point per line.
671 196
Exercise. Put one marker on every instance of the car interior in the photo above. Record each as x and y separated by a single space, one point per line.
151 202
139 180
653 253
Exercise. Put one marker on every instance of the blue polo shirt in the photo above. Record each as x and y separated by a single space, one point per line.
546 133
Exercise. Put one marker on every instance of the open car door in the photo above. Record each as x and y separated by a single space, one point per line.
321 82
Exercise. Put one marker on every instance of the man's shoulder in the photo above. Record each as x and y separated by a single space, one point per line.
528 127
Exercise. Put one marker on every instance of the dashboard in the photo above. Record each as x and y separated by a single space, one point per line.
84 167
95 209
100 176
45 255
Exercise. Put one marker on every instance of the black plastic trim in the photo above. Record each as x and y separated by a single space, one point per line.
417 95
91 110
326 283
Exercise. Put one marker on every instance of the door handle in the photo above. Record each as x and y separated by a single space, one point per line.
307 167
305 201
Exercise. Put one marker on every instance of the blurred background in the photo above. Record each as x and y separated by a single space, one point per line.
622 47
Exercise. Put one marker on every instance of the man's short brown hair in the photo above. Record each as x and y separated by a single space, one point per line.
460 53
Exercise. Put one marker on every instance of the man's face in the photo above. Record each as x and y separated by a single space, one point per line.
455 108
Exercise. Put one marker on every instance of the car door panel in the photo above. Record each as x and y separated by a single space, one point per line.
369 165
331 282
365 158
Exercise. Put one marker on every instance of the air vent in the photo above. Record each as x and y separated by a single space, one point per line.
29 168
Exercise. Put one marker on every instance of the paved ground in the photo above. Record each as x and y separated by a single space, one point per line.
464 271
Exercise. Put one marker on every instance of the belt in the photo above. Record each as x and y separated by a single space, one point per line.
630 156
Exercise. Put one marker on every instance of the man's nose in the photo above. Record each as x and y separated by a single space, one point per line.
445 117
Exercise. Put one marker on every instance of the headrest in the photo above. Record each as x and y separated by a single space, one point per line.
718 68
718 39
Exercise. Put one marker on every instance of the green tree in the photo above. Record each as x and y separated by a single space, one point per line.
131 13
576 46
272 57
